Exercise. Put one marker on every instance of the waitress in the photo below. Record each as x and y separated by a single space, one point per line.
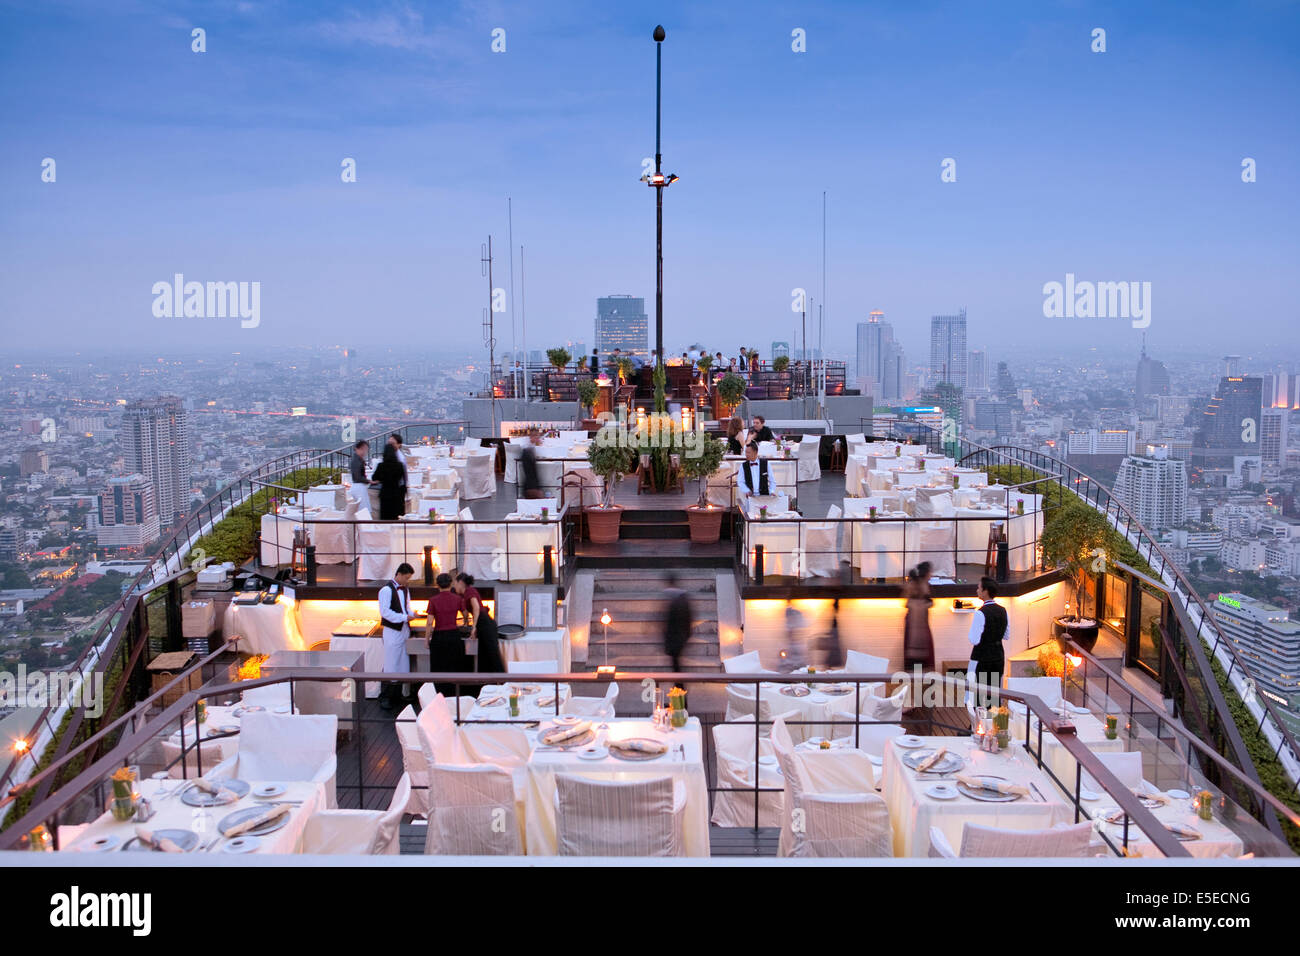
482 626
446 646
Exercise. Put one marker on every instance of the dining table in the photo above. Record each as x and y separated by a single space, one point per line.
304 797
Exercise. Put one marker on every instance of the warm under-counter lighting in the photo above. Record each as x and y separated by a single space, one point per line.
606 670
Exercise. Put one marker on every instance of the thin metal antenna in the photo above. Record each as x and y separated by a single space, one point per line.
523 316
821 322
489 332
510 244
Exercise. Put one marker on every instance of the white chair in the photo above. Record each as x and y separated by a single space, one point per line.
740 708
873 737
856 662
375 552
480 476
744 664
414 765
472 444
619 818
733 752
936 542
1126 765
841 815
513 451
534 506
532 667
602 707
473 812
269 696
440 738
821 546
285 747
856 439
887 710
480 549
358 832
809 468
1048 689
984 842
933 503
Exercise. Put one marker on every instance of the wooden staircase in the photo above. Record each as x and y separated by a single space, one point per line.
638 605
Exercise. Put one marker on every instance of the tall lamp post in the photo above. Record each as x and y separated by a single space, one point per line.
657 181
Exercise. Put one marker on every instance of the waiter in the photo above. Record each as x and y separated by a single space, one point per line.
360 490
988 629
752 477
395 610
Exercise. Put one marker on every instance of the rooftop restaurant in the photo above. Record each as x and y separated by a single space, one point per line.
250 710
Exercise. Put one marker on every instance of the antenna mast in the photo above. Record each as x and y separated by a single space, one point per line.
489 335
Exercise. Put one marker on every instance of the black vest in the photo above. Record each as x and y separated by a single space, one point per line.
395 602
988 651
762 475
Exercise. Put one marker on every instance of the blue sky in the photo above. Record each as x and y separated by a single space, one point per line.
1123 165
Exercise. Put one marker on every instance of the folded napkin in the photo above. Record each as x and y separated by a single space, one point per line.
274 813
562 734
1000 786
1157 796
641 746
158 843
931 760
545 701
213 787
492 701
1183 832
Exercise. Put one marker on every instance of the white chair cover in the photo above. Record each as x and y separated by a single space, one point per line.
513 451
873 737
1046 688
269 696
532 667
886 709
821 547
933 541
440 738
374 551
810 468
619 818
856 662
744 664
593 706
1126 765
480 549
473 812
1063 841
358 832
534 506
733 751
414 766
480 476
284 747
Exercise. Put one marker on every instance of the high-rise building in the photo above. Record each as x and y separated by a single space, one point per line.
621 323
1273 425
9 544
32 461
1232 366
994 417
948 348
1154 487
977 373
1152 380
1093 441
874 335
894 385
1230 425
1268 642
155 436
1006 384
126 516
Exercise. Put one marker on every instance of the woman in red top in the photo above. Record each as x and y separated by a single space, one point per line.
446 646
481 626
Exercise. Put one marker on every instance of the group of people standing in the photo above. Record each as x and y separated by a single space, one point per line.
455 601
390 476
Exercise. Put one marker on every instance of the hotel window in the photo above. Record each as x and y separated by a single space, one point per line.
1115 609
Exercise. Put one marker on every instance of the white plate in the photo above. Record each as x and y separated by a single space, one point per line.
241 844
942 791
1089 795
877 761
282 708
908 741
565 719
265 791
1074 709
102 844
1178 794
593 753
767 761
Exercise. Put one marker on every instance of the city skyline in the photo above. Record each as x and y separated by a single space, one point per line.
141 195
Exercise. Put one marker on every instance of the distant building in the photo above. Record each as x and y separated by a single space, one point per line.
993 417
9 545
127 516
1229 426
1268 642
1273 425
33 461
621 323
1154 488
1006 384
155 436
1110 441
1152 380
948 355
780 348
977 372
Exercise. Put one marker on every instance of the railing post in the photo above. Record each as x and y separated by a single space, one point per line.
548 564
427 565
311 565
758 564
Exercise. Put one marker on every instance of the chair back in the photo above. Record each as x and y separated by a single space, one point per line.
856 662
472 812
744 664
1066 841
616 817
285 746
532 667
440 738
534 506
386 837
1048 689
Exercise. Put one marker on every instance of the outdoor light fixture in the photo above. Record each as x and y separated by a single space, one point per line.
604 620
20 746
606 670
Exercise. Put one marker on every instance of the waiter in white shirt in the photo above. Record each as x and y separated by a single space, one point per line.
395 610
989 627
752 478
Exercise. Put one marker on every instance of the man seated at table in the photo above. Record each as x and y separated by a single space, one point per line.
988 629
752 478
395 611
761 431
530 479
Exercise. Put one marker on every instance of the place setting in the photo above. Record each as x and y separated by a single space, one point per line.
213 793
168 840
990 788
565 733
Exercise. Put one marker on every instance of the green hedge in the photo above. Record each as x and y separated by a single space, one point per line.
234 537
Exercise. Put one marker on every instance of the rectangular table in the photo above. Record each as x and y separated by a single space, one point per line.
172 814
544 765
913 812
264 628
1090 732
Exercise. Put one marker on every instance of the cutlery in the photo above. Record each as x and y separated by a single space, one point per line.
1033 786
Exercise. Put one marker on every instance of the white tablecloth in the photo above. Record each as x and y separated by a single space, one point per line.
171 814
212 751
780 540
371 648
264 628
540 646
879 546
913 812
1090 732
382 547
333 541
1216 839
324 496
816 706
523 540
544 765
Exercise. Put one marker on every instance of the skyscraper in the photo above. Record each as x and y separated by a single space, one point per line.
127 517
1154 487
155 435
873 335
621 323
948 348
1230 424
1273 425
977 373
1006 385
1152 379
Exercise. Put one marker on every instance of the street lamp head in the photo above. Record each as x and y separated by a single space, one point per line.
659 34
672 178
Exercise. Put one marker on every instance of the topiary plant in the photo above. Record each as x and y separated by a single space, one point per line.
559 358
588 392
780 363
731 389
611 459
700 466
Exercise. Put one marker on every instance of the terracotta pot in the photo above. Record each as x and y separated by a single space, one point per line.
603 524
706 524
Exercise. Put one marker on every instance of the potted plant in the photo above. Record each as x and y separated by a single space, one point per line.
559 358
1074 538
731 389
704 363
705 520
625 368
588 392
780 363
611 460
582 363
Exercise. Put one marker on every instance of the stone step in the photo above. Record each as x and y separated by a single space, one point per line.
659 662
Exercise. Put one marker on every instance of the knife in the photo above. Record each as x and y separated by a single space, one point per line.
1033 786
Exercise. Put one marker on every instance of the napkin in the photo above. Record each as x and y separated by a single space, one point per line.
1156 796
931 760
274 813
1183 832
213 787
158 843
545 701
565 733
641 746
492 701
1000 786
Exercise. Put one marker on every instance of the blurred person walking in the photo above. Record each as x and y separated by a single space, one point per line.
918 642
